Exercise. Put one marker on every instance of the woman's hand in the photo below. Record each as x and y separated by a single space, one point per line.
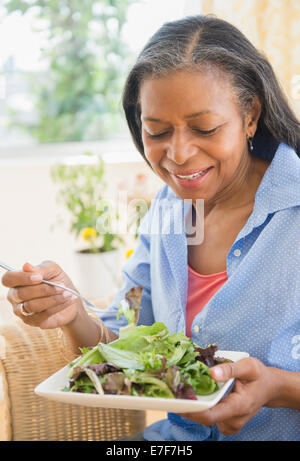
52 307
255 385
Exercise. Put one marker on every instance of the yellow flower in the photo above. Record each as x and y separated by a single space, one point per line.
129 253
88 234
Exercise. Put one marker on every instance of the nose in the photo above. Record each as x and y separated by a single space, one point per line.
180 148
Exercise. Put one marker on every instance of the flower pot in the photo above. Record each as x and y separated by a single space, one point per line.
99 273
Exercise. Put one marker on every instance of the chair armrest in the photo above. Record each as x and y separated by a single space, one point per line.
5 420
30 356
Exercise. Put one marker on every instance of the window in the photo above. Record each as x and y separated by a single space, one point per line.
62 73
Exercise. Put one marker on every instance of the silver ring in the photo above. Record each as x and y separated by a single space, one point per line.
24 311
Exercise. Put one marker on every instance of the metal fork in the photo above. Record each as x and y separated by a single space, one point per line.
90 305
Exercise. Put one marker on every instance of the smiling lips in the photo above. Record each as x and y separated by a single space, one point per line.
192 175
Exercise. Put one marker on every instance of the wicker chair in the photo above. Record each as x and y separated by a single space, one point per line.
29 355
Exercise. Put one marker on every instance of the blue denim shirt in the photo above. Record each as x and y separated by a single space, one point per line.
257 310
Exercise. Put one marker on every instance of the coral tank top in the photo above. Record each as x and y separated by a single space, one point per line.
200 289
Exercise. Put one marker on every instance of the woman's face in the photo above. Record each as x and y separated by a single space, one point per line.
193 134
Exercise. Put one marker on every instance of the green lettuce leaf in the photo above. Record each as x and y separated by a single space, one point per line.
198 376
153 387
88 357
138 338
120 358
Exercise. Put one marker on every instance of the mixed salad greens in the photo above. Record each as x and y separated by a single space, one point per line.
144 361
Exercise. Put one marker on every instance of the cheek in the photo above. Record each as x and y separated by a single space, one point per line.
227 164
153 153
234 140
227 150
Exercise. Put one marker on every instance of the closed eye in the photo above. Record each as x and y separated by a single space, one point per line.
206 132
156 135
201 132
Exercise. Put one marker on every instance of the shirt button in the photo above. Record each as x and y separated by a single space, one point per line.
196 329
237 253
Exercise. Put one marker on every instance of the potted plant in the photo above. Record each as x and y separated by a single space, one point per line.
81 192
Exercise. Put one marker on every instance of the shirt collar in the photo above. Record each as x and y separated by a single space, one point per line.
279 188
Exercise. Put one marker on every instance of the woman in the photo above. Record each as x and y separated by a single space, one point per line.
207 114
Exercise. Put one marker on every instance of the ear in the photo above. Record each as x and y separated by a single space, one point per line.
252 117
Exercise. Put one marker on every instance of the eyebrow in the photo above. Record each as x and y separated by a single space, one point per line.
195 114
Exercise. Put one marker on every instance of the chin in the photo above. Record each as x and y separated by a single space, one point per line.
185 195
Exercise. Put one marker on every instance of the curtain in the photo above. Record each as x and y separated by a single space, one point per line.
273 26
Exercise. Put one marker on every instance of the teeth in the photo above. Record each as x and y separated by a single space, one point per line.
193 176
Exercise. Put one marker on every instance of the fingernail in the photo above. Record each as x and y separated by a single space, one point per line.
67 294
31 266
36 278
218 372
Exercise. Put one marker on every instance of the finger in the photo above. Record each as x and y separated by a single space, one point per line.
36 306
49 269
31 274
224 429
231 427
27 267
13 296
248 369
227 408
42 290
234 425
38 319
231 406
12 279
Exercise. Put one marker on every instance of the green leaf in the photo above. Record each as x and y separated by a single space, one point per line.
197 374
153 387
120 358
139 338
88 357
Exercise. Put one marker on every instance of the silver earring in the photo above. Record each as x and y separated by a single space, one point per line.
250 143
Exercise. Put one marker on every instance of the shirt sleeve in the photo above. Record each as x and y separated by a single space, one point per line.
136 271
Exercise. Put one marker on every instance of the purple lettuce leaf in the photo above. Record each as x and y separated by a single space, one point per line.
185 391
102 369
207 356
134 297
117 383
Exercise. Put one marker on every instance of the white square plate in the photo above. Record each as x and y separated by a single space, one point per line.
51 389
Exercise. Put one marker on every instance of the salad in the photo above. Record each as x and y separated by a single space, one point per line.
145 361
